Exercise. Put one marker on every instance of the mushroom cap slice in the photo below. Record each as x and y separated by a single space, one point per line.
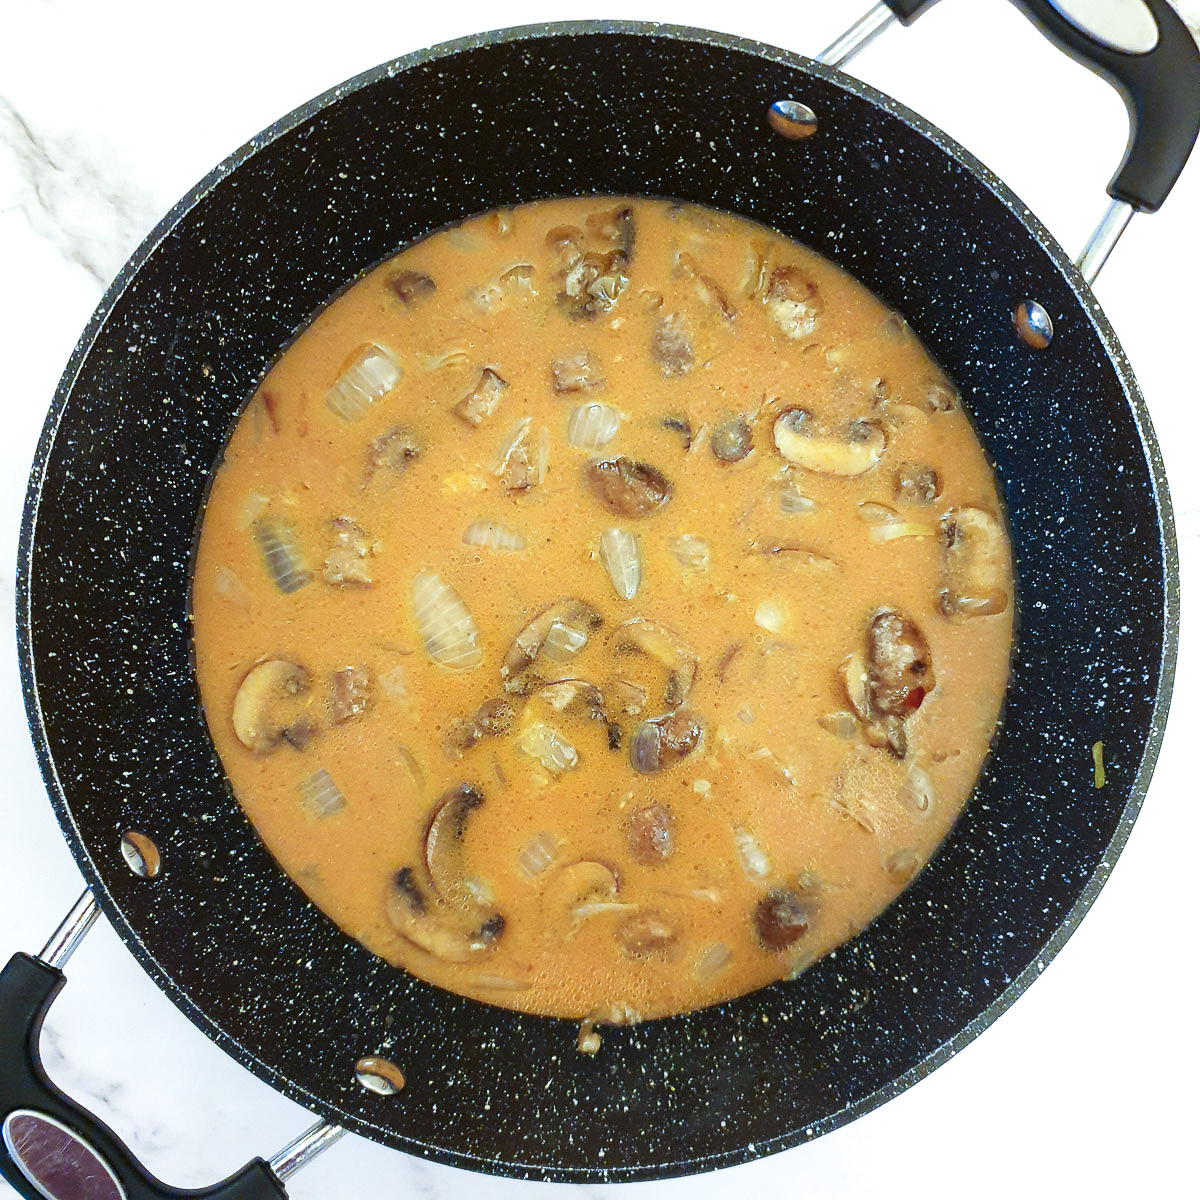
799 441
444 859
274 697
554 636
975 563
431 927
655 640
578 890
627 487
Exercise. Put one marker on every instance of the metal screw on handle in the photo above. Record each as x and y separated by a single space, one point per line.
1116 217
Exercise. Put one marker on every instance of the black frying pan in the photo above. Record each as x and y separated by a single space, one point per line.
246 259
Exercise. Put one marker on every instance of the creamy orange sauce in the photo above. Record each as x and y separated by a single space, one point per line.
848 633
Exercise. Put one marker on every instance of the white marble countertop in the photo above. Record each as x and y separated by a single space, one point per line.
109 112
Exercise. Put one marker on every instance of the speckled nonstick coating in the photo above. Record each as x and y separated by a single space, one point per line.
195 319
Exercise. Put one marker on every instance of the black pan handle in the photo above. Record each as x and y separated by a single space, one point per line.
72 1154
1160 87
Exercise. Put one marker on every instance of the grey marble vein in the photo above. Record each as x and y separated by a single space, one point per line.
73 196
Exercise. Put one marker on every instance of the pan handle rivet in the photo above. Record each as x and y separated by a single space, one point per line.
141 854
791 119
378 1075
1033 324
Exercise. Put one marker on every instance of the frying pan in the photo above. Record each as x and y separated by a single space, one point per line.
195 319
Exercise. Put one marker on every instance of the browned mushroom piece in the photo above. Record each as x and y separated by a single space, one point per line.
650 834
793 302
975 564
671 345
434 906
710 292
350 693
409 287
538 653
732 439
782 917
916 483
899 667
799 438
617 227
584 699
495 717
348 561
592 283
523 458
274 704
678 423
393 451
627 487
647 934
666 647
663 742
579 890
483 399
579 371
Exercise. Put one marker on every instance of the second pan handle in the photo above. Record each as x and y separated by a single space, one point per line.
1153 62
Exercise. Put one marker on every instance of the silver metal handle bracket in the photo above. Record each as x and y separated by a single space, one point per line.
299 1153
68 937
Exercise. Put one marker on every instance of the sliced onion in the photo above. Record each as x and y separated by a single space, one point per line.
713 960
592 426
394 682
280 549
369 377
876 514
539 854
554 753
622 560
449 356
916 793
900 529
445 625
321 796
842 725
691 552
229 587
793 502
494 535
754 861
770 615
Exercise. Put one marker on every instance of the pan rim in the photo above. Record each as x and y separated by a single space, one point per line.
284 125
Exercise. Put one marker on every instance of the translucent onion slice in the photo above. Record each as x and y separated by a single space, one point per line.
320 796
539 854
713 960
900 529
280 549
554 753
770 615
445 625
754 861
876 514
794 502
622 560
369 377
494 535
563 642
592 426
691 552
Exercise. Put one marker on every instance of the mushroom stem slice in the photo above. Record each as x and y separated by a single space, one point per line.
799 441
975 564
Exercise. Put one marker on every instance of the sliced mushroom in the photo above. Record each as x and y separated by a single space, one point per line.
793 302
279 546
444 844
732 439
916 483
578 890
350 693
348 562
394 451
579 371
616 227
445 933
584 699
650 834
782 917
627 487
711 294
593 284
655 640
647 935
899 667
495 717
483 399
671 345
555 636
409 287
800 441
663 742
274 704
678 423
975 564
